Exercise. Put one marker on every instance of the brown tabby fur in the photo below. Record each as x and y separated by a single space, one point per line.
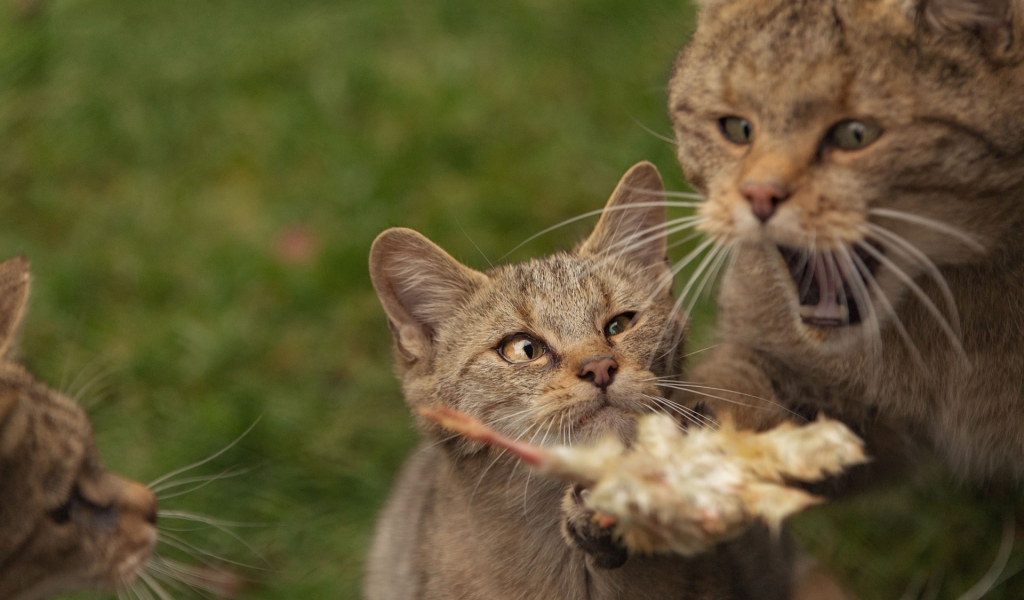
944 79
465 522
65 523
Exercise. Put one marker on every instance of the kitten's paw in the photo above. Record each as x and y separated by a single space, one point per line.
582 531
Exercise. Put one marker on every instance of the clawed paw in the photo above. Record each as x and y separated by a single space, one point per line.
591 532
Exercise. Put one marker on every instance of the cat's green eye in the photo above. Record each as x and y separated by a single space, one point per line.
619 324
853 135
737 130
522 348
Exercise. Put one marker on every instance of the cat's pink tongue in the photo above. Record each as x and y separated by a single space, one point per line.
829 310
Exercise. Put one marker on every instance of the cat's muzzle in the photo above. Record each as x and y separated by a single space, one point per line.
832 292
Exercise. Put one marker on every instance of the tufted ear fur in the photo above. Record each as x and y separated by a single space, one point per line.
419 285
14 287
998 22
633 222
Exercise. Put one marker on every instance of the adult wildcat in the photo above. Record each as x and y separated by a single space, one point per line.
865 161
564 348
66 524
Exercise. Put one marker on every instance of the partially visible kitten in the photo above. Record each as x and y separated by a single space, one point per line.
66 524
560 349
865 161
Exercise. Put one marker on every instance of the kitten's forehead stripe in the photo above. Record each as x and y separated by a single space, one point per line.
536 296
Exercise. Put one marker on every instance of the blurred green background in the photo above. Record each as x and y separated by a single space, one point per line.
197 183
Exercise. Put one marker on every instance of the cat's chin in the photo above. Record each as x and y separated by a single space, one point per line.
605 419
831 292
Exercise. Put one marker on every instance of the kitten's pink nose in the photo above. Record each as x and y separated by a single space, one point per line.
763 198
599 371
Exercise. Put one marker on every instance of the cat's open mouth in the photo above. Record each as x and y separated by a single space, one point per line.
831 292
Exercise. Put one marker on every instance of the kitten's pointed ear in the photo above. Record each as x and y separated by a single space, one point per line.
419 285
14 287
997 21
633 222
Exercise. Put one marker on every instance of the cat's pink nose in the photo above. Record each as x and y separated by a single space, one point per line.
599 371
764 198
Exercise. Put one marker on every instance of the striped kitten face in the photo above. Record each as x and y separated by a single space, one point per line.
555 349
66 524
858 143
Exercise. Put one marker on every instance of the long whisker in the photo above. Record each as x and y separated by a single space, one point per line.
711 275
663 138
647 235
153 585
97 379
685 385
484 474
200 463
832 268
693 416
195 579
676 268
862 298
92 367
738 403
928 223
593 213
212 522
707 260
907 249
954 336
715 249
670 194
691 387
659 405
167 538
227 474
222 526
897 324
171 580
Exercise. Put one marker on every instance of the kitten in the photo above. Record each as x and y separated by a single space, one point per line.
564 348
66 524
864 161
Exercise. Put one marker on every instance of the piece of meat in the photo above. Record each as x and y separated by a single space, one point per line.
683 491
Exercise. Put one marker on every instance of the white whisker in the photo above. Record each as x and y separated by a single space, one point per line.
593 213
910 251
170 537
954 336
897 324
227 474
928 223
153 585
160 480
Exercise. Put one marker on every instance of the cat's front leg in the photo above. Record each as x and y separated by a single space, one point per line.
582 532
731 385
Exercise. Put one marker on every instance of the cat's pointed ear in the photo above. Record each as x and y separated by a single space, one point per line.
419 285
14 287
997 21
633 222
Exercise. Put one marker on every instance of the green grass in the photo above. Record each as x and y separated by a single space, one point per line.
157 157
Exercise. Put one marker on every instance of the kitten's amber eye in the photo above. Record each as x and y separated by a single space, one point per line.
522 348
853 135
737 130
619 323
